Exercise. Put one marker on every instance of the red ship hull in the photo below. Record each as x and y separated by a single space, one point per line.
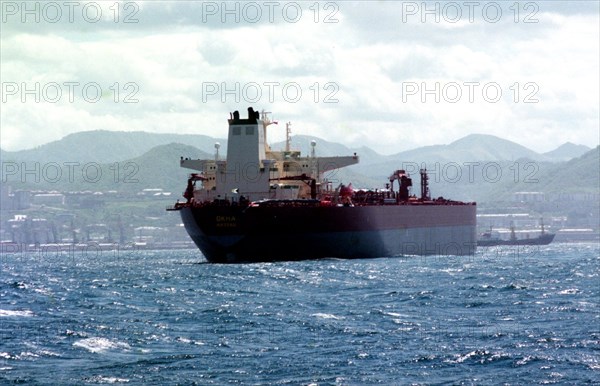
232 234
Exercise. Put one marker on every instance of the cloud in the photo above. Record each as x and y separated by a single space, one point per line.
184 70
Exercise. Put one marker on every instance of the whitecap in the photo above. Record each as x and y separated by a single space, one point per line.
472 354
27 354
49 353
569 291
43 291
189 341
183 340
100 345
394 314
462 358
327 316
8 313
102 379
525 360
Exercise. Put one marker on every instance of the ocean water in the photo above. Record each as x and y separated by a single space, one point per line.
504 316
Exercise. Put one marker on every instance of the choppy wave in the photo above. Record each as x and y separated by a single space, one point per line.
15 313
157 318
100 345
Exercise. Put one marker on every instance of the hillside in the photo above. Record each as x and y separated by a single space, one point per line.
579 174
105 146
476 159
157 168
498 180
567 151
472 148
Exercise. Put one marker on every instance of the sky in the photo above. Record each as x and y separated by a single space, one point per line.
388 75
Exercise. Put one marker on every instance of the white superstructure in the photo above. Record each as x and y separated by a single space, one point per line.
253 172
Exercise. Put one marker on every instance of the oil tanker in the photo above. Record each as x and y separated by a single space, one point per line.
259 204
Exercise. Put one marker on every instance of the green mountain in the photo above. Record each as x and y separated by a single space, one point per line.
476 167
105 146
567 151
474 147
499 180
158 168
580 174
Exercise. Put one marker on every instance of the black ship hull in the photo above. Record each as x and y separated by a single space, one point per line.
234 234
544 239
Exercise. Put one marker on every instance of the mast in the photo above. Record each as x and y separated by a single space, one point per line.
542 222
288 132
217 146
424 185
313 160
264 116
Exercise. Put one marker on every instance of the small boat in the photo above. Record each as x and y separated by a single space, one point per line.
492 238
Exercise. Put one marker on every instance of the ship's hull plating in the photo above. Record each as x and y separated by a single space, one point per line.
231 234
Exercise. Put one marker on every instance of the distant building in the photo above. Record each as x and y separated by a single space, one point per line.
30 231
150 191
6 201
587 197
149 234
529 197
154 193
505 220
19 200
49 199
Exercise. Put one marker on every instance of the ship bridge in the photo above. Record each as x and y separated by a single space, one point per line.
254 171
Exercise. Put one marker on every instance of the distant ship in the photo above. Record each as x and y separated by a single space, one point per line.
266 205
491 238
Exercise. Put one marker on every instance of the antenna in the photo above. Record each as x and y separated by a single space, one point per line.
264 116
